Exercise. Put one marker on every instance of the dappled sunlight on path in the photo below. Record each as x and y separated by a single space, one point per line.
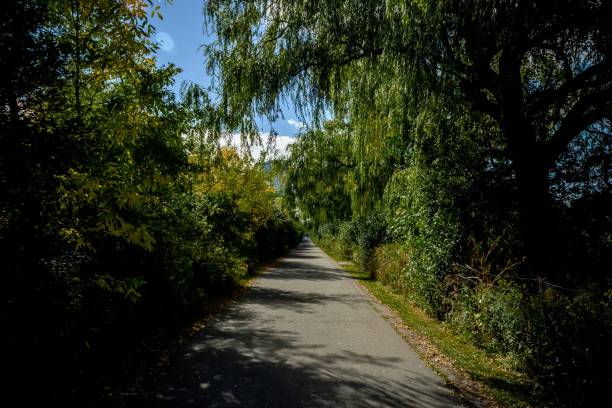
304 335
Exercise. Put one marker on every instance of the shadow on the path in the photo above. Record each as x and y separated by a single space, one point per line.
296 301
242 359
235 365
295 270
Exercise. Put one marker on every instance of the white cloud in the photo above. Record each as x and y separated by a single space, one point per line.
276 148
283 143
296 123
165 41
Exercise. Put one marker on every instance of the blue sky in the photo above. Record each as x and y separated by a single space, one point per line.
180 35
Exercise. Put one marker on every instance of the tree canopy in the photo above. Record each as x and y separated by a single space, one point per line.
540 74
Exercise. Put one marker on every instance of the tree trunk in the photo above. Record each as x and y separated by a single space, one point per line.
536 212
533 196
534 202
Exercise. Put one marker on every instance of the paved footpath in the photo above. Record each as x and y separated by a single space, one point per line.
305 335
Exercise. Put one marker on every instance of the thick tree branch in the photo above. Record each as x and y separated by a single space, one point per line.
588 110
538 101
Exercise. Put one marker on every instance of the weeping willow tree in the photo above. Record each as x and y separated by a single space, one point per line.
316 175
541 73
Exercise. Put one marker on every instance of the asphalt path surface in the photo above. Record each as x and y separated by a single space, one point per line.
305 335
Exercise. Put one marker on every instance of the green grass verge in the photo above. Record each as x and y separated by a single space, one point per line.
503 382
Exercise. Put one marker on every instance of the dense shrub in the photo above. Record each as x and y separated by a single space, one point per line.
347 238
568 346
355 239
428 226
369 231
280 233
327 230
389 263
492 317
561 340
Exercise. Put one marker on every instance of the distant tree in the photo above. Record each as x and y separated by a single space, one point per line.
319 169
